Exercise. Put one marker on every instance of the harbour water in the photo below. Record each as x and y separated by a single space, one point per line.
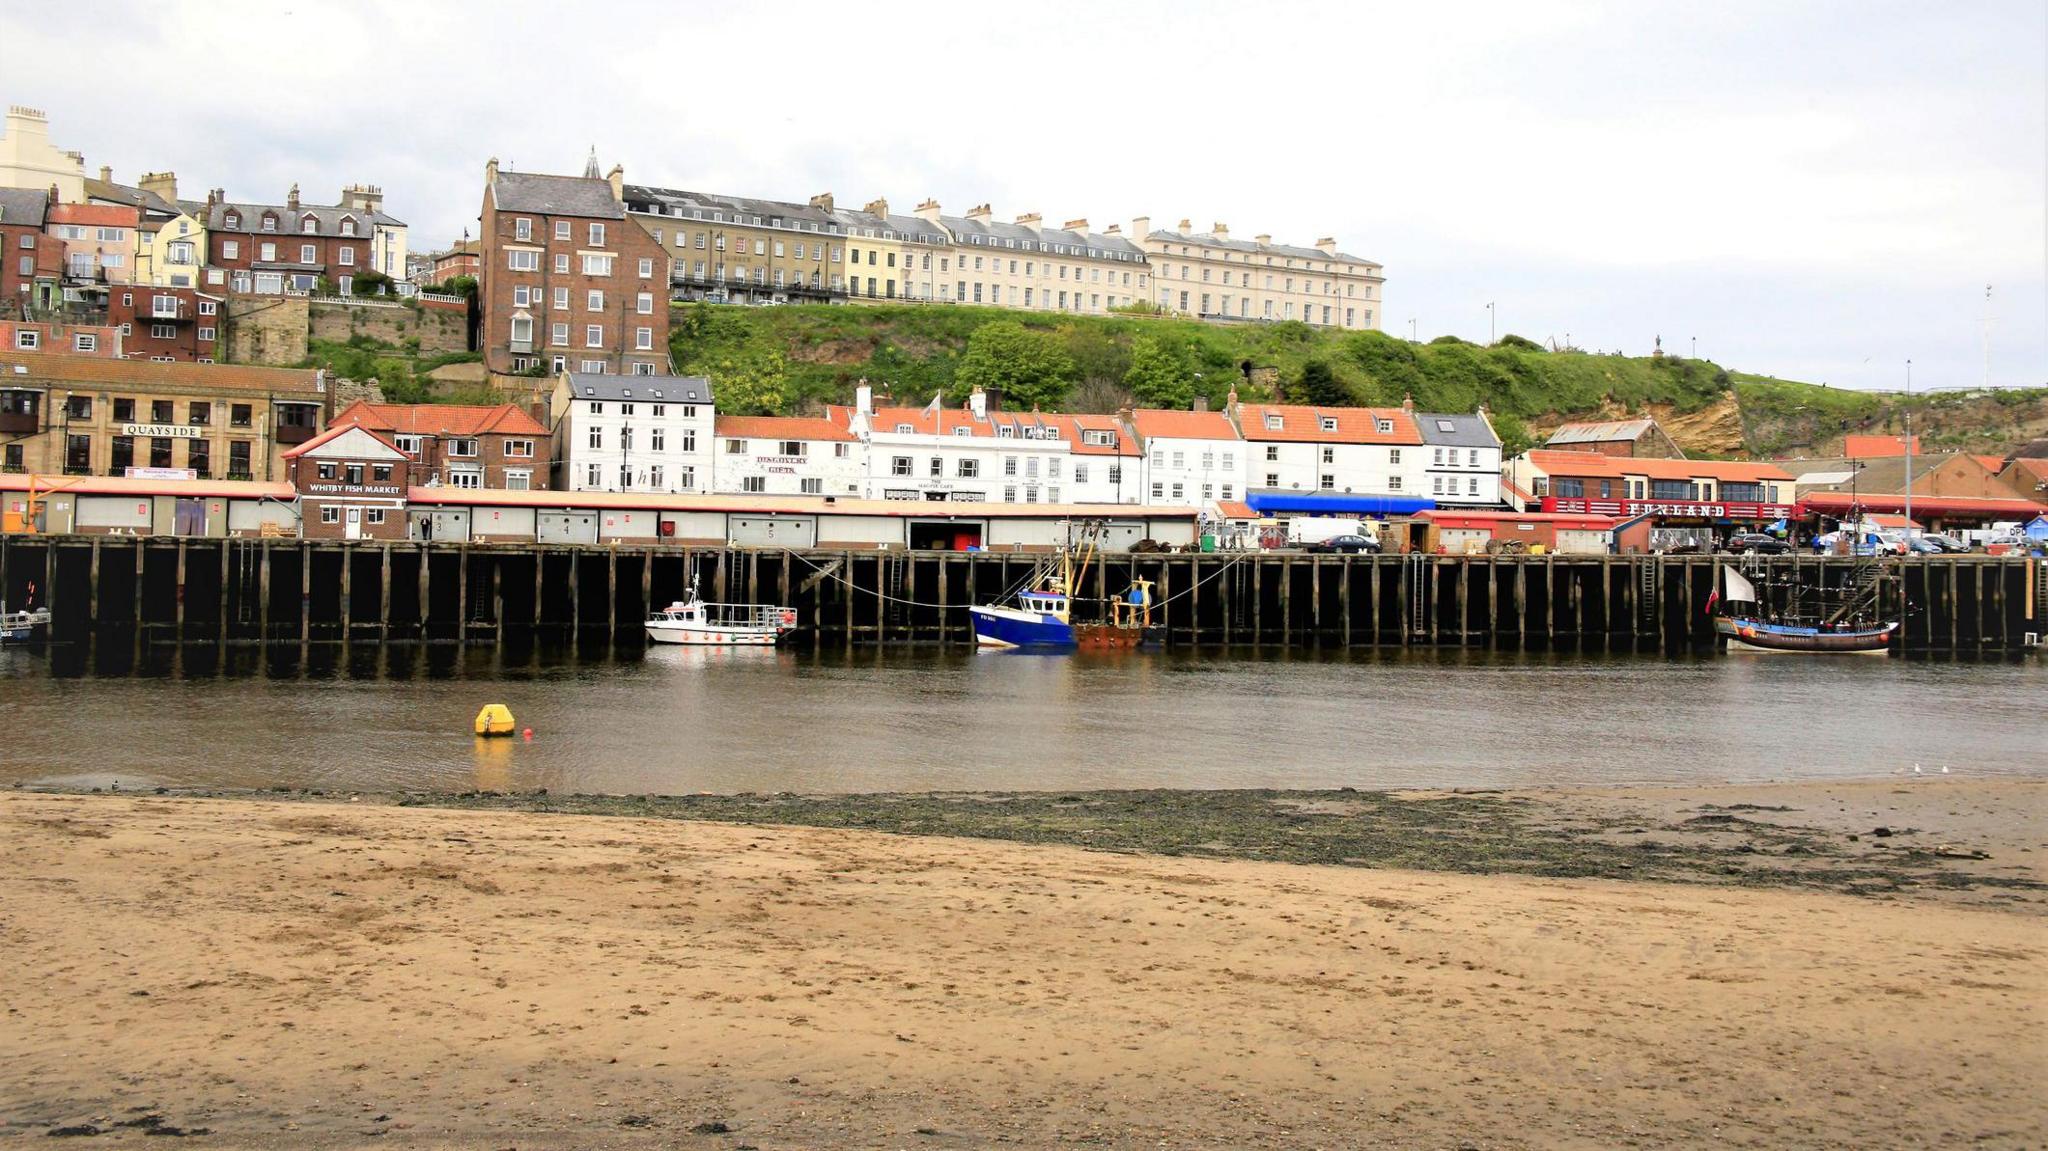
674 721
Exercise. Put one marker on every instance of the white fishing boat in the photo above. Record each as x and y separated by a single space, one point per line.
23 626
692 621
1746 630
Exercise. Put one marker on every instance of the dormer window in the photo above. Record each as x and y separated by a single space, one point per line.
1006 432
1275 421
963 431
1446 426
1383 427
348 225
903 428
1328 423
269 222
232 220
309 224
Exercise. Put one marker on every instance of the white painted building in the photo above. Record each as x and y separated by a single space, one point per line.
1190 459
1463 458
966 455
632 433
776 455
1342 451
1107 466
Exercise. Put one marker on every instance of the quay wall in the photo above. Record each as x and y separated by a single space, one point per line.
252 590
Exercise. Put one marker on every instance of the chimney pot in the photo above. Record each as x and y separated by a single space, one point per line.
1080 226
106 174
1264 237
1201 404
291 199
1187 226
822 200
1221 229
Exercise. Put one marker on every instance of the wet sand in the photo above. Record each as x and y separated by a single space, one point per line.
338 974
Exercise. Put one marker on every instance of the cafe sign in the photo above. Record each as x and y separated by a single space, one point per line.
164 431
1675 508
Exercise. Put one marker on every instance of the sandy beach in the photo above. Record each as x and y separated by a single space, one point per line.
339 974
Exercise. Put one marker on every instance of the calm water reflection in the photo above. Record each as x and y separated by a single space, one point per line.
686 720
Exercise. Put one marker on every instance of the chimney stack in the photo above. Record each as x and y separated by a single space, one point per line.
1263 238
291 200
977 403
1030 219
106 174
863 395
877 207
1141 226
1201 404
164 184
1078 227
1114 230
617 179
823 201
363 197
491 171
1186 226
1328 244
1222 230
928 211
1408 402
980 212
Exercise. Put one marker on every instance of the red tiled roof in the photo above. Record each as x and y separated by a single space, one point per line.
1071 427
950 421
1235 510
1594 465
2037 468
1991 464
1864 447
50 366
98 215
1172 424
1300 423
442 419
780 428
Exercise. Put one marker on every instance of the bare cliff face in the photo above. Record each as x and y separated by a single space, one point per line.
1715 430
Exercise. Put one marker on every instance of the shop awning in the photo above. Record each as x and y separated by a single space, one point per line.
1320 503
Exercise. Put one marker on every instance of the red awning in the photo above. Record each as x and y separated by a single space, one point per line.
1959 507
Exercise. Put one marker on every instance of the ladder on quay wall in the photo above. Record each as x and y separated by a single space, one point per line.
1649 604
895 581
1418 593
1860 590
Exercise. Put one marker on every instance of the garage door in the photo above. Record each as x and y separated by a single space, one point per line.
566 527
1464 541
773 531
131 512
450 526
1581 543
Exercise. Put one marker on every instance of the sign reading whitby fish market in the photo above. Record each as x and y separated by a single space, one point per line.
353 489
1675 509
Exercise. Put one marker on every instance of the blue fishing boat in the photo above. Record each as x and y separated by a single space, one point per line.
1038 619
1042 617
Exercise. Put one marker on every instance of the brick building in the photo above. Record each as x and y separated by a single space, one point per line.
351 484
82 416
101 340
463 259
460 446
166 324
568 283
101 242
269 249
1630 439
33 263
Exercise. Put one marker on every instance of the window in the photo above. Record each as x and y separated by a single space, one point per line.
238 415
410 445
163 332
597 437
199 413
938 467
562 231
519 260
562 263
558 335
373 516
84 342
644 303
1329 456
593 301
969 469
1393 455
754 484
308 254
348 255
597 265
812 487
597 235
1393 483
522 229
330 514
1383 426
643 339
646 267
28 339
593 336
593 476
899 466
1671 490
522 296
519 449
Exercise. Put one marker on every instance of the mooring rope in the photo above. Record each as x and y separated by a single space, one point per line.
828 573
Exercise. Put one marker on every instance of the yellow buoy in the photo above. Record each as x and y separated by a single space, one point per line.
494 719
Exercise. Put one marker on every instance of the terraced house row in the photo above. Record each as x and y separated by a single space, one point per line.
572 267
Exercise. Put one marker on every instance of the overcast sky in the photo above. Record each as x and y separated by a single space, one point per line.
1819 191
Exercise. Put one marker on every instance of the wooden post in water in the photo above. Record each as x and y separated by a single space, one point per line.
384 594
348 565
426 588
262 590
611 592
179 606
575 598
305 593
93 592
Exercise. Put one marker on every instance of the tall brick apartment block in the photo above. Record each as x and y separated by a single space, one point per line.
568 283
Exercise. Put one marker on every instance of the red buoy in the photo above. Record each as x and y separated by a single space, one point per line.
527 735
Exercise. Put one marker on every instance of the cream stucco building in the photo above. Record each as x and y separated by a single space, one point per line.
29 160
1216 276
1024 264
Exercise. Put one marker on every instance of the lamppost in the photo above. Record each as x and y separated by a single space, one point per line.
1695 354
1411 331
1909 449
1489 324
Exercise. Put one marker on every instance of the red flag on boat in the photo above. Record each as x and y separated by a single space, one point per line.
1713 597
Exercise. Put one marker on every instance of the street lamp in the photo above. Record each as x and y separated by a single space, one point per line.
1411 331
1489 324
1909 449
1695 354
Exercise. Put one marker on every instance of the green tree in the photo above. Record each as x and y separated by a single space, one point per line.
1159 376
1029 368
749 383
1320 386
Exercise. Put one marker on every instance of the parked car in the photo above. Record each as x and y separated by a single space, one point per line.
1925 546
1346 543
1946 543
1758 542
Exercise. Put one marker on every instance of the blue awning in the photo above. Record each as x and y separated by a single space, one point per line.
1321 503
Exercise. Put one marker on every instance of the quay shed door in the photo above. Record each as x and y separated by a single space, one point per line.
773 531
945 535
565 527
449 525
1463 541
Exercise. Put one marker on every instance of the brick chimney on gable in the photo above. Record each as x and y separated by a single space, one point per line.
164 184
822 201
617 179
291 199
980 212
1030 220
1078 227
877 207
928 211
491 171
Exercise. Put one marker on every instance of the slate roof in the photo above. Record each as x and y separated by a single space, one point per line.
1467 430
1038 238
556 195
658 389
683 204
1607 431
1212 240
135 197
24 206
290 221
